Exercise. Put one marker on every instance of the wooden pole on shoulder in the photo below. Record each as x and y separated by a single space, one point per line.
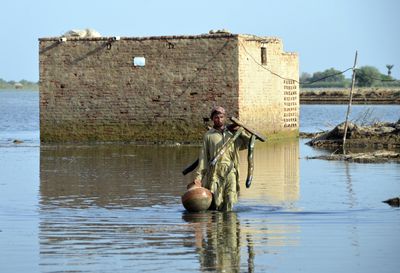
248 129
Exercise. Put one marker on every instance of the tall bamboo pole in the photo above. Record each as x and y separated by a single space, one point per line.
349 106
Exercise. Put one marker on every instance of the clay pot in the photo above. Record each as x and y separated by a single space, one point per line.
197 199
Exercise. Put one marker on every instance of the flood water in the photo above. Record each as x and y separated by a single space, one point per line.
116 208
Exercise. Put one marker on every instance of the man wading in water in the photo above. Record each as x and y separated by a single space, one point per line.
221 177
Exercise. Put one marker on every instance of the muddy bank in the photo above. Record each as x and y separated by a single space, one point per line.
380 156
378 136
341 96
308 135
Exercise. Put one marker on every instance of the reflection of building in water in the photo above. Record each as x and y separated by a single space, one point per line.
79 227
276 172
112 175
106 204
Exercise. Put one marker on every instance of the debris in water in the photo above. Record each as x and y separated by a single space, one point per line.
394 202
378 135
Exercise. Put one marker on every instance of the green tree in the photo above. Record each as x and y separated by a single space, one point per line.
328 75
387 78
304 77
367 76
25 82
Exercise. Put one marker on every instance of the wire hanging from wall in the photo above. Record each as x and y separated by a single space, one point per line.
313 81
284 78
204 66
269 70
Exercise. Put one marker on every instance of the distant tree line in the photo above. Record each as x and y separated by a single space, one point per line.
22 84
366 76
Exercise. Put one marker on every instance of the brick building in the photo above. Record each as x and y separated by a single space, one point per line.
162 88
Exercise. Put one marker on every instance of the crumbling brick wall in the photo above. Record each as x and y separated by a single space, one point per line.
91 89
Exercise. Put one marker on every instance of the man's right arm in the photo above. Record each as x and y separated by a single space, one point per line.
202 168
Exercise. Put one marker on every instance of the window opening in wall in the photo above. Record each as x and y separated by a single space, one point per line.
139 61
263 55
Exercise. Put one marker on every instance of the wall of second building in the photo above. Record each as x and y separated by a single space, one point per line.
91 90
267 102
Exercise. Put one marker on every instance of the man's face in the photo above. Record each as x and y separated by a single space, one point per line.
219 120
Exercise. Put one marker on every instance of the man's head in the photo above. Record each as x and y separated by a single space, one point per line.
218 117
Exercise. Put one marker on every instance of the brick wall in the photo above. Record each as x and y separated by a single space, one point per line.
264 94
91 90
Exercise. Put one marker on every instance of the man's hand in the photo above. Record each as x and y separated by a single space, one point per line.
233 127
196 183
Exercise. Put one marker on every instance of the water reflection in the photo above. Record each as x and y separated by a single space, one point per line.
105 204
112 175
276 173
140 176
232 241
349 186
217 240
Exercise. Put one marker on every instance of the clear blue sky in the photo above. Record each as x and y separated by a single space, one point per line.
325 34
